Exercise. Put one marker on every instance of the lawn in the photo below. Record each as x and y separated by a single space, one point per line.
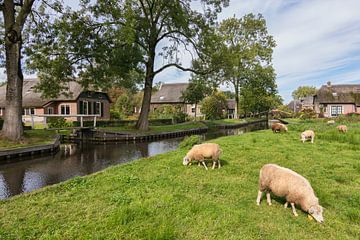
31 138
158 129
159 198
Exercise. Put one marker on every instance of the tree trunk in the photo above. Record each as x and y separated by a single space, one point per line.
237 99
143 121
12 127
195 110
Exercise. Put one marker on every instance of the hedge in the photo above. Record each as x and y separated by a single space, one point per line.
118 123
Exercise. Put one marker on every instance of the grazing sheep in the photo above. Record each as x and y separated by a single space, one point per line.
342 128
201 152
284 182
308 134
331 122
278 127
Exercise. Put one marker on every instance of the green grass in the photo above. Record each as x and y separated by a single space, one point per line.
31 138
159 198
158 129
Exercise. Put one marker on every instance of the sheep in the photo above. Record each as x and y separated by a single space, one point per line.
308 134
284 182
331 122
278 127
203 151
342 128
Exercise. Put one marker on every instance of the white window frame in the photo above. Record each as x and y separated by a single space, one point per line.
96 103
27 111
87 107
65 105
1 111
48 110
193 109
336 112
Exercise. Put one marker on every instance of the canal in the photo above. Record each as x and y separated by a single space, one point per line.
82 159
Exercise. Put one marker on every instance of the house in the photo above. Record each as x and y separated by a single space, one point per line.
77 101
334 100
171 94
302 103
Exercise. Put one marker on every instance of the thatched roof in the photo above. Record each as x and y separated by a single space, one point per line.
345 93
169 93
33 99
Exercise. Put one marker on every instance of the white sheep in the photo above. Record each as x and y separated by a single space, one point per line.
308 134
284 182
331 122
342 128
203 151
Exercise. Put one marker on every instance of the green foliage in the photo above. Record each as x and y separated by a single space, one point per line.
196 91
169 111
190 141
307 113
115 115
213 106
125 104
303 91
57 122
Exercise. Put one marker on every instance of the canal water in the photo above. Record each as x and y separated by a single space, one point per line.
82 159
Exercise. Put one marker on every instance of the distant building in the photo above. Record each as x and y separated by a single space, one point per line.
78 101
171 94
334 100
302 103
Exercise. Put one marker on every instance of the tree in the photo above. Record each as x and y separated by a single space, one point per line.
145 29
303 91
196 92
244 44
213 106
15 14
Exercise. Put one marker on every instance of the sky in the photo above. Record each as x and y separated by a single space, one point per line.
317 41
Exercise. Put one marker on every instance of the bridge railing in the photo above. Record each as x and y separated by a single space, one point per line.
81 116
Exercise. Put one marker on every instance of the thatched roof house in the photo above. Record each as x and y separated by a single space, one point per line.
333 100
77 101
169 93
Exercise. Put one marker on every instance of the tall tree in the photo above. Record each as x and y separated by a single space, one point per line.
157 28
196 92
303 91
245 43
15 14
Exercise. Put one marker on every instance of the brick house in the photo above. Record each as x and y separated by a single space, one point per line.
334 100
78 101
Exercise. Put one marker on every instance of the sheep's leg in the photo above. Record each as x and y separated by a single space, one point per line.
214 164
312 139
199 164
268 198
259 198
294 209
286 204
203 163
219 163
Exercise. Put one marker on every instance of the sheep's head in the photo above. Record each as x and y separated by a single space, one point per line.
285 128
316 212
186 161
303 137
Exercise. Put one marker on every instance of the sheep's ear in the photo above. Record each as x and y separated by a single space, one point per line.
311 210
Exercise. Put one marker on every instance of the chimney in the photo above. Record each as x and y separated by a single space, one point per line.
328 84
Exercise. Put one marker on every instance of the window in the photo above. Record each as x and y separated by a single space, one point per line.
85 107
50 110
28 111
193 108
97 108
65 109
336 110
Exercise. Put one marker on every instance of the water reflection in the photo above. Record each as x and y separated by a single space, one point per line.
78 160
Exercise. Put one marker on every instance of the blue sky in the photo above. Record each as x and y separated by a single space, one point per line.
317 41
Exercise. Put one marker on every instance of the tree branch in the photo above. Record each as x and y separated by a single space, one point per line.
179 67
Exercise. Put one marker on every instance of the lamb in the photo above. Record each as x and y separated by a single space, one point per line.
284 182
278 127
203 151
308 134
342 128
331 122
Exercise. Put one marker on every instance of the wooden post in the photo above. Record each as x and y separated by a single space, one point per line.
81 121
44 122
95 122
32 122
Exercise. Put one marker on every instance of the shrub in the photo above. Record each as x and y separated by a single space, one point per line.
190 141
57 122
115 114
307 113
213 106
169 111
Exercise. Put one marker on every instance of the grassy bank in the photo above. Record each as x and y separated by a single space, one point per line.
158 129
31 138
158 198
